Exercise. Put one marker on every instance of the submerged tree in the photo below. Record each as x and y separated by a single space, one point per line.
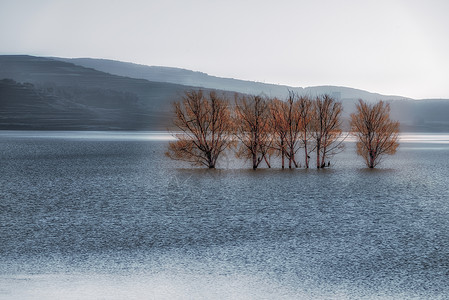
326 129
305 112
286 126
294 124
376 133
205 127
252 129
279 127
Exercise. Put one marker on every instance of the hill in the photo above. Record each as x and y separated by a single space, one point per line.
42 93
199 79
54 94
429 115
180 76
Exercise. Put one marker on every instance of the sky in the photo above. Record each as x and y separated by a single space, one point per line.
392 47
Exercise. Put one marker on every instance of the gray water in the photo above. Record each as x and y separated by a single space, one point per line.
108 216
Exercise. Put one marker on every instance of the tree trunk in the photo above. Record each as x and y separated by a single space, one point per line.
282 153
283 159
210 160
254 161
372 158
307 156
266 161
294 161
323 157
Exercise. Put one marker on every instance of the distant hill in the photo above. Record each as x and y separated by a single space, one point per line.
199 79
25 106
91 94
43 93
181 76
429 115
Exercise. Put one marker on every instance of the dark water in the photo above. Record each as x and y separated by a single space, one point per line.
107 216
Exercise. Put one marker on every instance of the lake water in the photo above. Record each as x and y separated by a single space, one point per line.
105 215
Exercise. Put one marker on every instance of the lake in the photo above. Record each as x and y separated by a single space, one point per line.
105 215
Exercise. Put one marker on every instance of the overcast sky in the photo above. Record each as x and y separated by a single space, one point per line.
387 46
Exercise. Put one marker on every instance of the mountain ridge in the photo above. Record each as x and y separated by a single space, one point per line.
49 94
201 79
105 101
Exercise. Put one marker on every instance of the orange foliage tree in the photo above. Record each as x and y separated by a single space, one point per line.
305 112
294 124
326 128
376 133
286 127
279 127
252 129
204 128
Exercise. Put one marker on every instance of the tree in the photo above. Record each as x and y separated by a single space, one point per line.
252 129
205 127
305 113
293 120
376 134
279 127
286 126
326 128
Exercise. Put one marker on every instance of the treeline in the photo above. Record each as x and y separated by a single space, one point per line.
259 127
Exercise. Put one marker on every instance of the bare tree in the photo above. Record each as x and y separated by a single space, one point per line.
294 124
326 128
376 134
252 129
286 125
205 127
279 127
305 113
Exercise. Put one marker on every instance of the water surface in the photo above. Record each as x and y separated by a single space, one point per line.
108 216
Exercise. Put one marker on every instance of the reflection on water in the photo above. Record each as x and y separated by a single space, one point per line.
107 215
165 136
90 135
438 138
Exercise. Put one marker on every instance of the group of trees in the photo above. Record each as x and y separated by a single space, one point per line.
259 127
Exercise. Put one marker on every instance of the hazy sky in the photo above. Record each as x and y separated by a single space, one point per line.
390 47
